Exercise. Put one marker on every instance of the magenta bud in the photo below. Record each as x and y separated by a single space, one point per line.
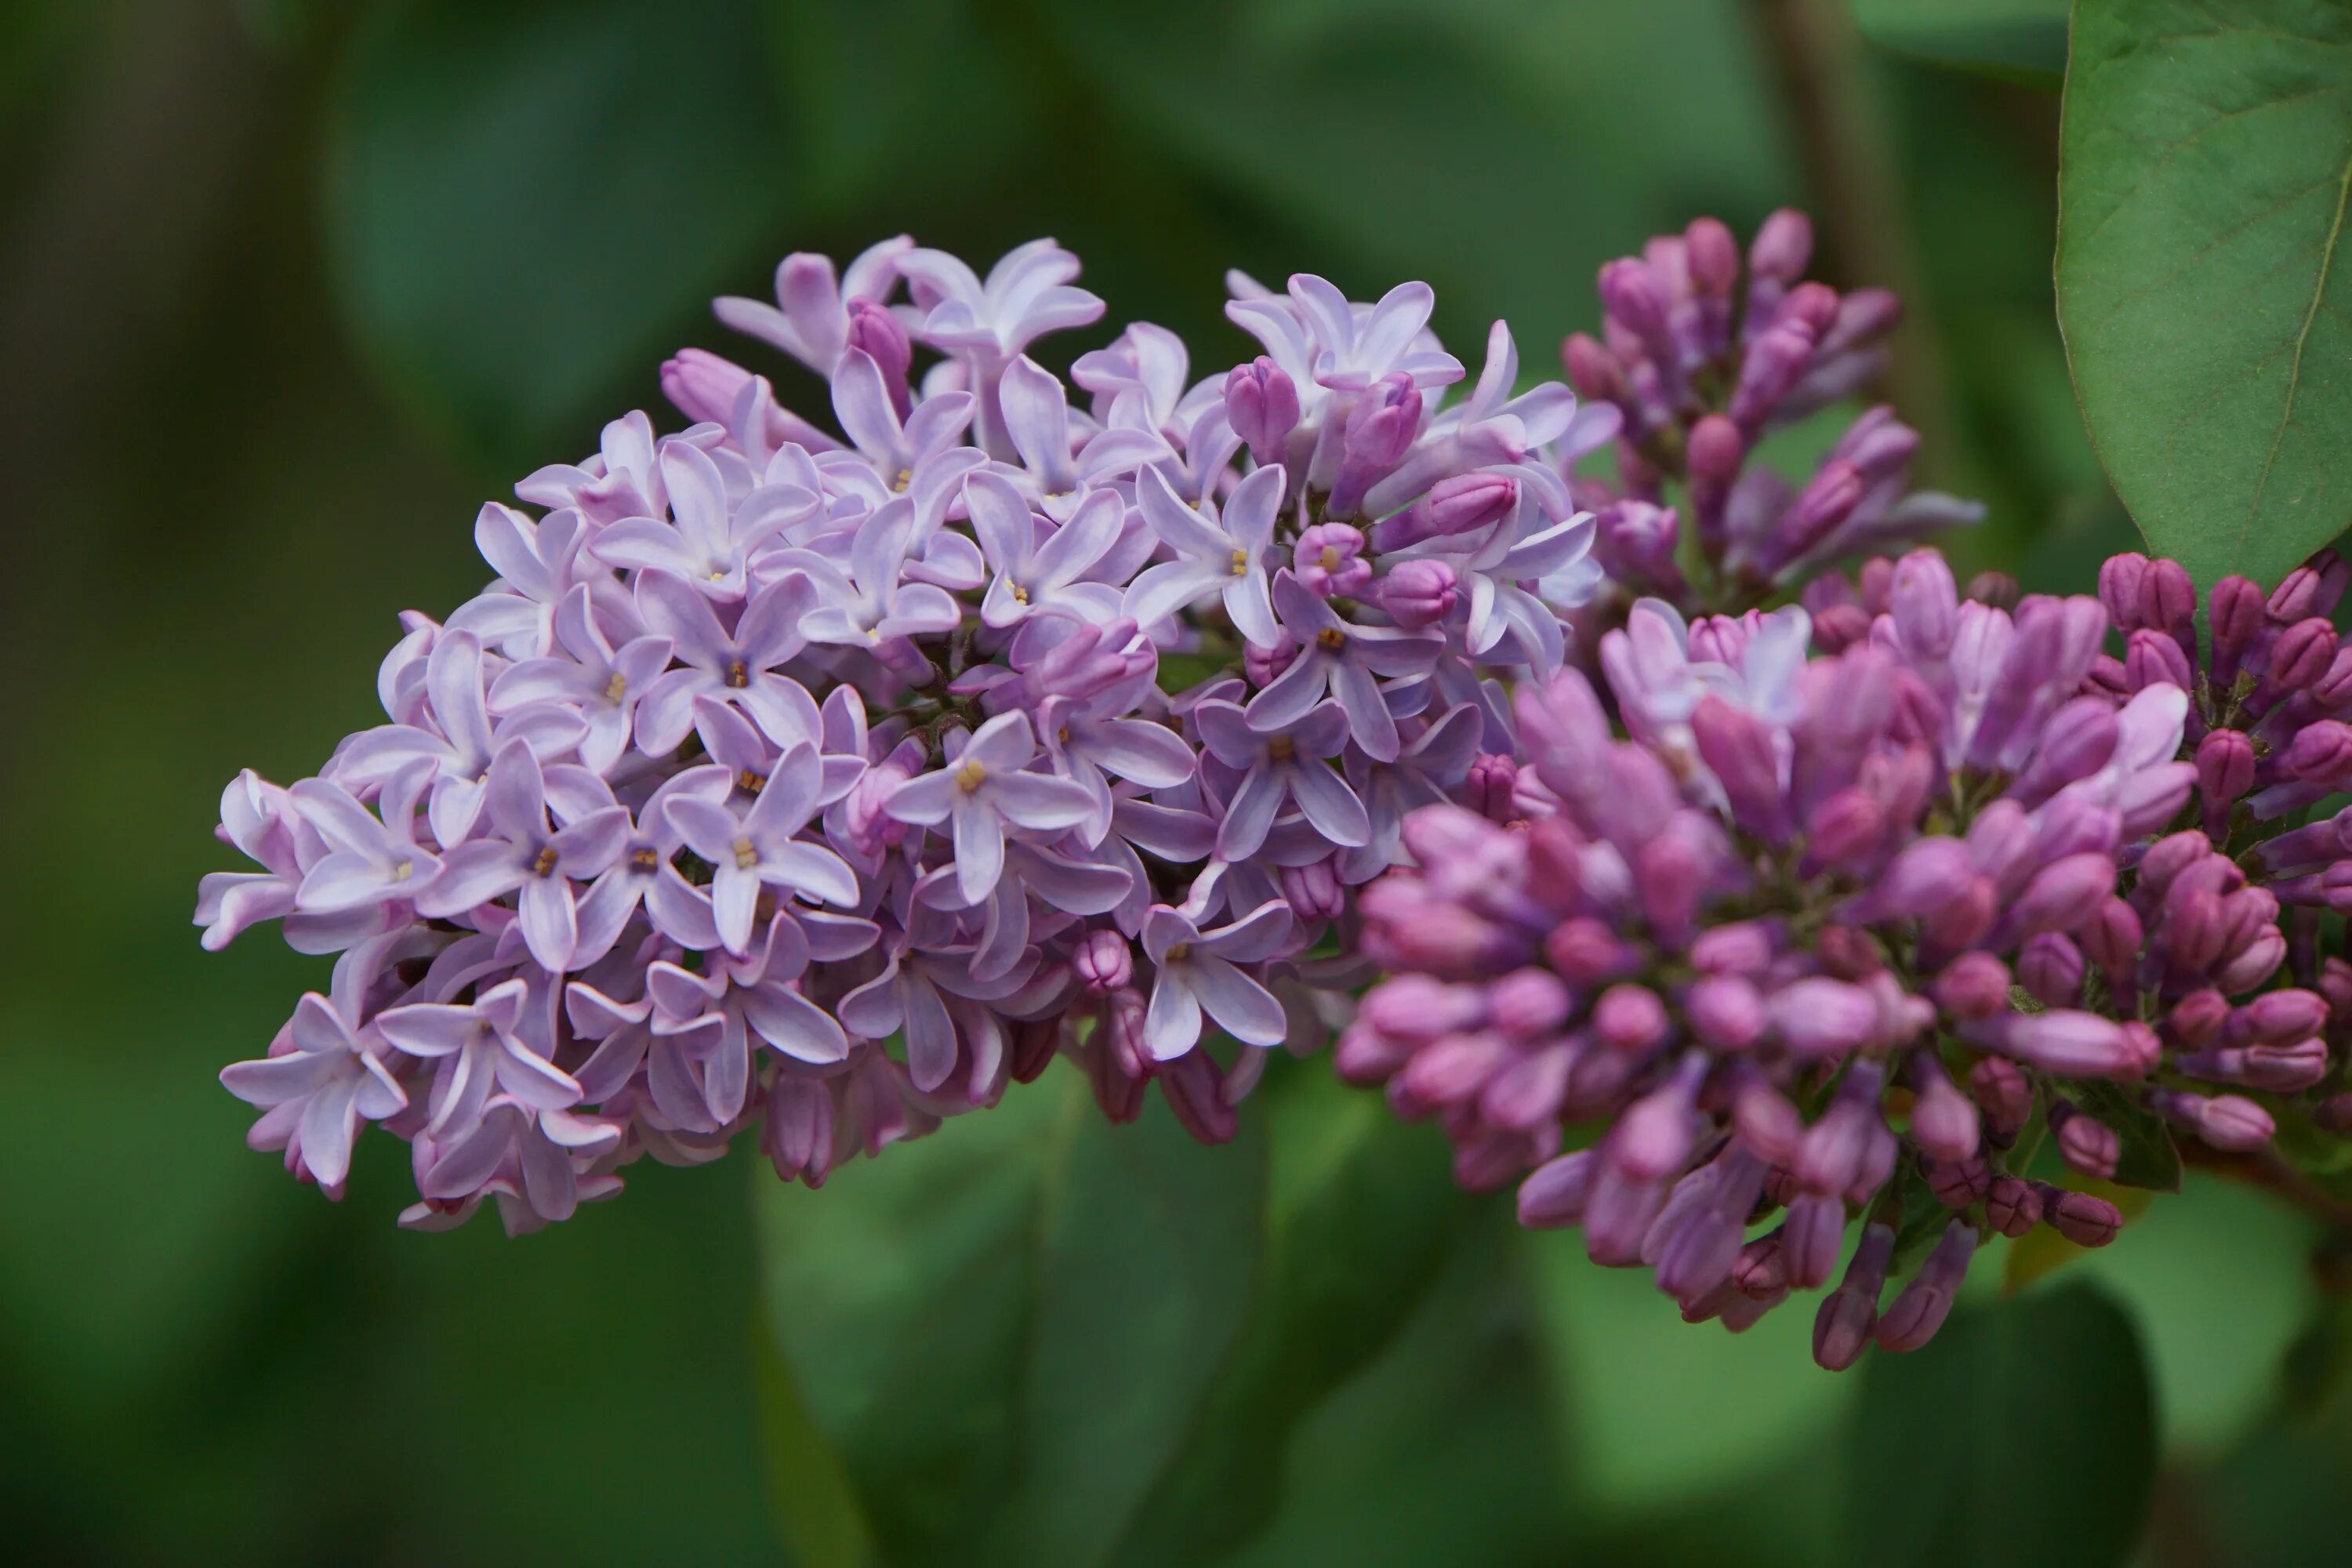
2049 967
1761 1272
1313 892
1460 504
1630 292
2112 936
1717 451
1848 1314
1957 1183
1653 1137
2301 655
1384 421
1766 1124
2276 1017
2012 1207
1261 406
2225 769
2231 1123
1587 952
1417 1009
1920 1308
1712 256
2086 1143
2120 589
1747 947
1418 594
2070 1043
1527 1003
1492 788
1973 987
1630 1017
2079 1217
1555 1194
1810 1237
875 331
1845 827
1103 961
2311 589
2197 1018
703 386
1944 1122
2167 598
1725 1011
2234 617
2002 1093
1830 1156
1592 370
1783 244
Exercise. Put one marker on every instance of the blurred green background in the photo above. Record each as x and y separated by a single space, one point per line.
287 289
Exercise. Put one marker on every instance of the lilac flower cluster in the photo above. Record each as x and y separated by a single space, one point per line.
1810 937
824 783
1702 358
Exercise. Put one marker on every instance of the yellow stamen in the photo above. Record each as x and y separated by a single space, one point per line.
747 854
1329 558
738 674
1020 595
644 860
1281 748
1179 954
614 688
545 865
404 870
751 782
1331 638
1241 564
969 777
906 477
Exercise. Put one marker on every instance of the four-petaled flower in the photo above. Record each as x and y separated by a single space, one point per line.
984 788
1197 975
1229 557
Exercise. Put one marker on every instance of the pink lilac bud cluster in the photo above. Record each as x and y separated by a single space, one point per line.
1819 937
1702 354
824 783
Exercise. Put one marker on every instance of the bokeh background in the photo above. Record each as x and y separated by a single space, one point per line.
288 288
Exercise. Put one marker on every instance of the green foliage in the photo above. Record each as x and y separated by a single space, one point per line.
2024 1434
2207 160
531 201
2013 40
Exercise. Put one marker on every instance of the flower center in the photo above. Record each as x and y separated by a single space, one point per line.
1329 558
615 687
751 782
1179 954
747 854
969 777
1020 595
1281 749
739 675
645 858
1240 567
403 870
545 866
1330 639
904 477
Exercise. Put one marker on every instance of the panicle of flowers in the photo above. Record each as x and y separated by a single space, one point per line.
1703 356
1898 929
821 780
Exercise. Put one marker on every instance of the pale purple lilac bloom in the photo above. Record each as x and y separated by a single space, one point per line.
822 780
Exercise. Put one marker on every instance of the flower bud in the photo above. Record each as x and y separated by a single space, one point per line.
1849 1313
2049 967
1725 1011
1555 1193
1782 245
2120 589
1103 961
2002 1093
1974 986
2079 1217
1920 1308
2086 1143
1630 1017
1944 1122
2012 1205
1418 594
1457 505
1261 406
2234 617
1313 892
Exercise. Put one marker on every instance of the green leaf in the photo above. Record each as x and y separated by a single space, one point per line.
2219 1282
2015 40
1005 1330
2206 162
526 203
1361 1217
2024 1434
2148 1158
1654 1411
